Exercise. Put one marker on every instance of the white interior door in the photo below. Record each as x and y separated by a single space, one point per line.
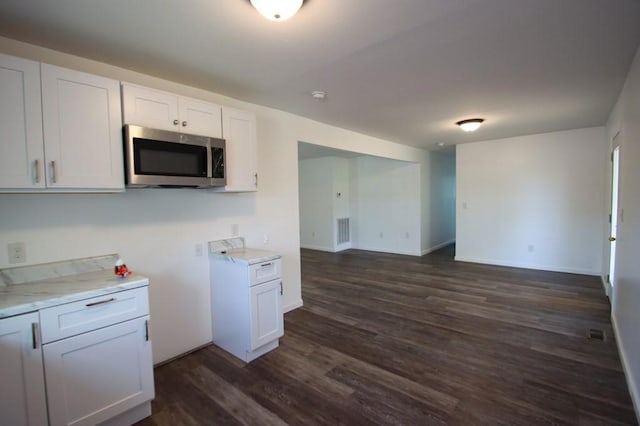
615 158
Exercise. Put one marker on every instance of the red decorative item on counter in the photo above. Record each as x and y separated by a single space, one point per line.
121 269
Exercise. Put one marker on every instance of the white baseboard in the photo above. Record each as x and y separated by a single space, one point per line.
633 390
438 247
319 248
377 249
338 249
386 250
527 266
292 306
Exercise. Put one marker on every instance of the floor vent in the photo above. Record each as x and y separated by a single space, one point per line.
343 230
596 334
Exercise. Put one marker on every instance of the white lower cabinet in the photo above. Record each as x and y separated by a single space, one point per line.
22 395
266 313
246 306
95 363
97 359
97 375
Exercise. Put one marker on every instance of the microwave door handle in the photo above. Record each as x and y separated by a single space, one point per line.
209 160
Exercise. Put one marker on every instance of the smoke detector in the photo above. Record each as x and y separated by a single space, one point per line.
319 95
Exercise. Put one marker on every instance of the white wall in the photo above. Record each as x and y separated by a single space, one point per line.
316 197
533 201
341 198
625 119
411 204
388 205
156 230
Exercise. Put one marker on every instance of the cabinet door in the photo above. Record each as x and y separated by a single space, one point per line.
239 130
266 313
21 151
82 130
200 118
22 397
94 376
150 108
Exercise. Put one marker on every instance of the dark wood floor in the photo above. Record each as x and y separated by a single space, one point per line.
389 339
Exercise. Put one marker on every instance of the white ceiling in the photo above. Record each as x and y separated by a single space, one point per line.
402 70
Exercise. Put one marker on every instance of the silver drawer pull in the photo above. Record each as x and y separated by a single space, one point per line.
102 302
266 264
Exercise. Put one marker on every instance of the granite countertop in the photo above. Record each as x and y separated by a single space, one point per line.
234 250
31 288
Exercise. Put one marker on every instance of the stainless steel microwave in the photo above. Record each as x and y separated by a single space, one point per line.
162 158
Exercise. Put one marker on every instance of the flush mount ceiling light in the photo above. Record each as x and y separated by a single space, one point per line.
277 10
470 125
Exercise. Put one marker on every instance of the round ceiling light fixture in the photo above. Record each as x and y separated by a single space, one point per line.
471 124
277 10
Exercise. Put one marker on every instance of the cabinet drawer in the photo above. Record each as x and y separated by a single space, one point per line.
264 271
74 318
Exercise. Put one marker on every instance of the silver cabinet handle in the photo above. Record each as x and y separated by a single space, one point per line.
184 124
255 179
146 330
266 264
54 172
176 122
101 302
36 171
281 291
34 335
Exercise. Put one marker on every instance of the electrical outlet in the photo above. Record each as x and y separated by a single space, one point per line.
406 235
199 249
17 253
266 239
235 230
381 235
531 248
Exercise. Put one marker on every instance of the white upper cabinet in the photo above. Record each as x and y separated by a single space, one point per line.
61 129
166 111
21 149
199 117
149 108
82 130
239 131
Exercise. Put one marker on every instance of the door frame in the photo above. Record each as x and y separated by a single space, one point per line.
614 215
